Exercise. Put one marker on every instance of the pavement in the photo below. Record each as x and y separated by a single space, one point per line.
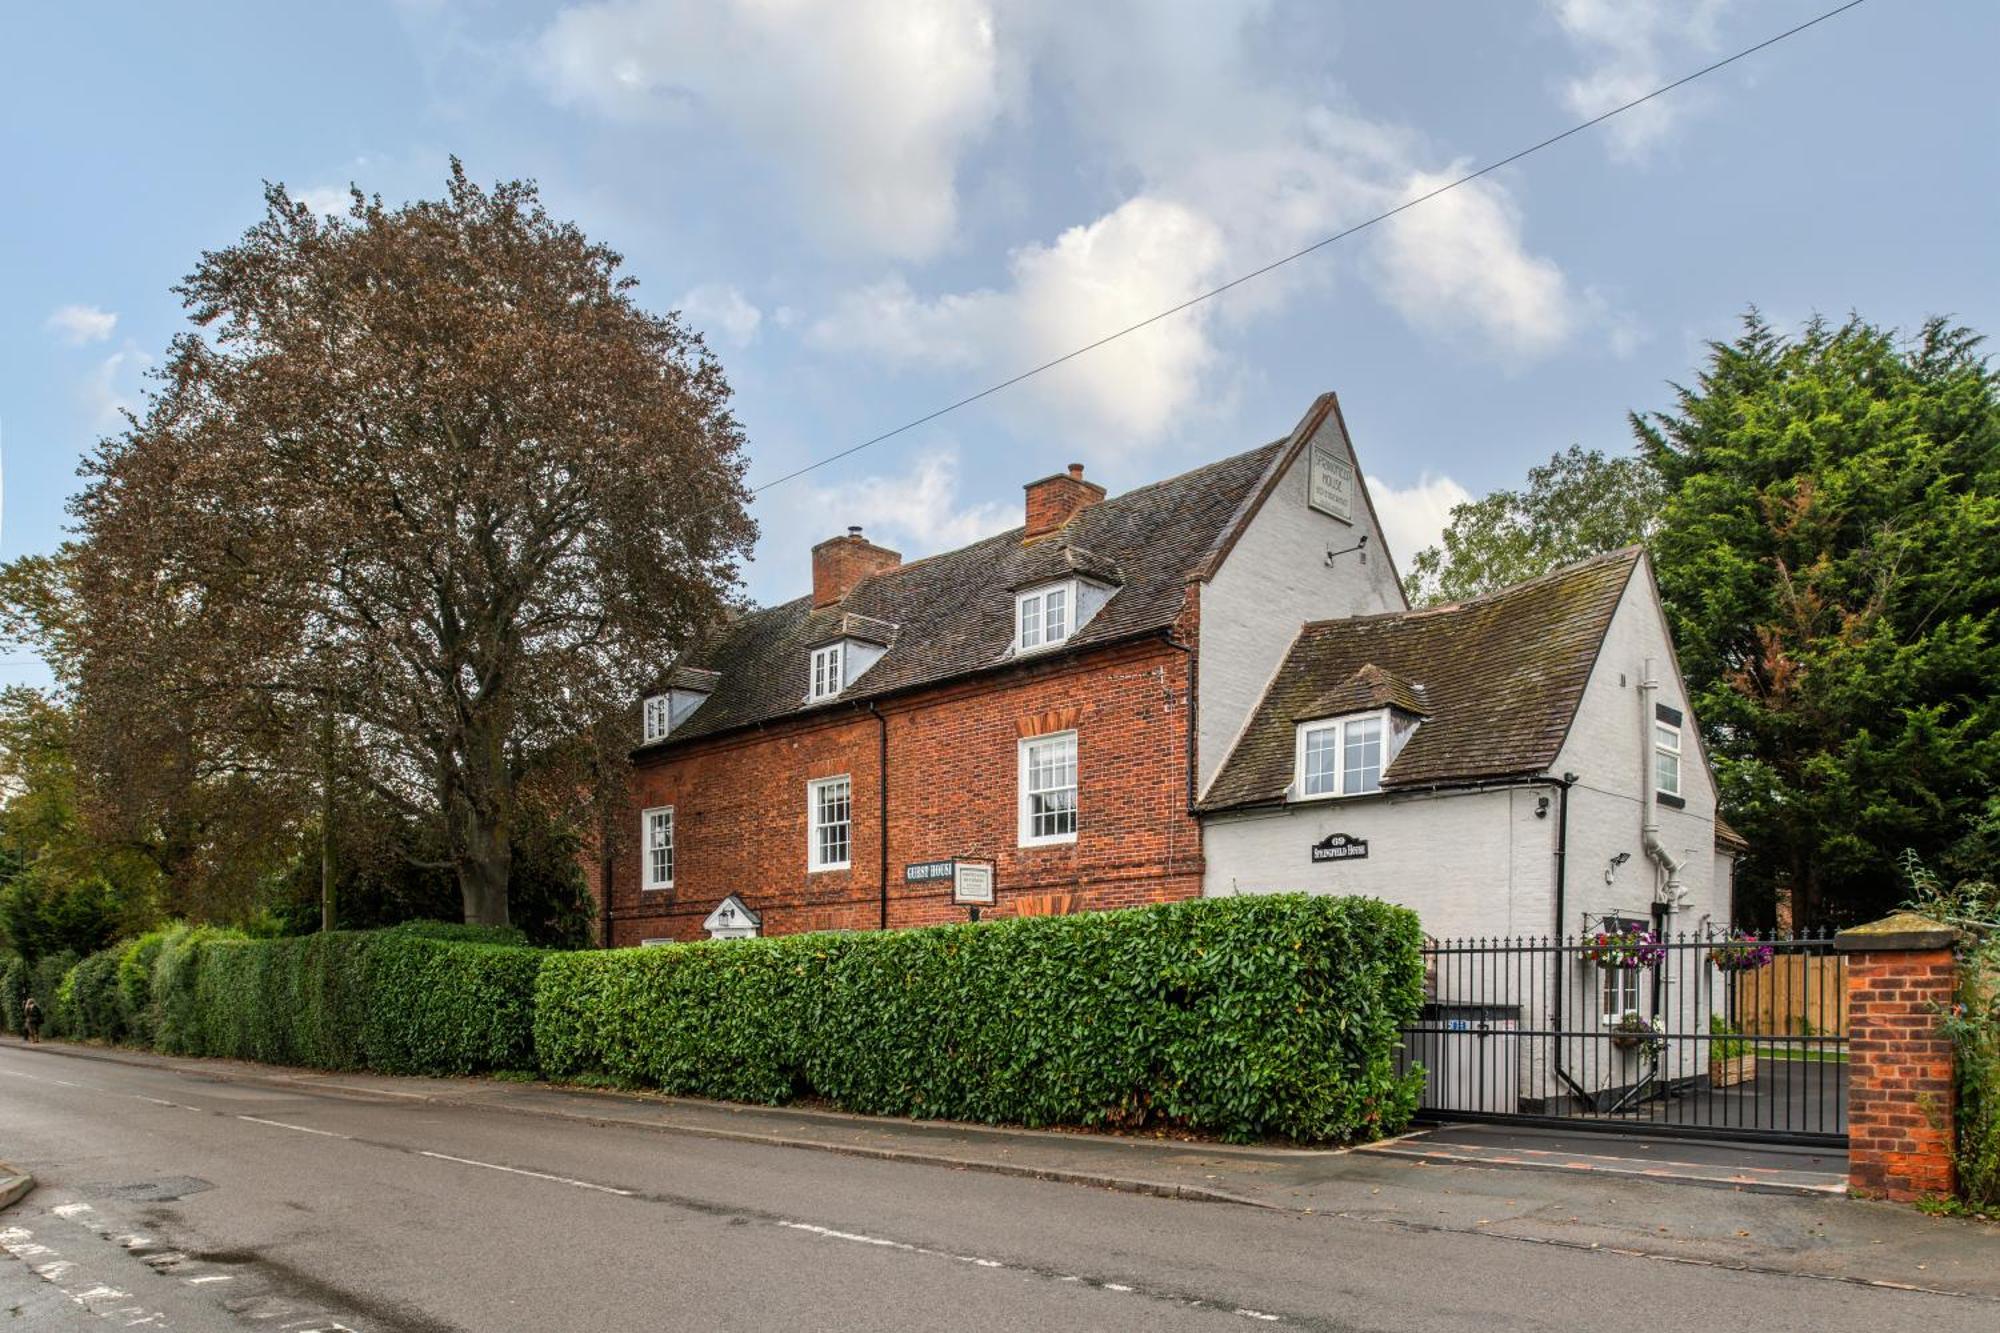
213 1194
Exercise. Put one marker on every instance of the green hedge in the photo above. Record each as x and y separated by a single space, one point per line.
396 1001
13 990
87 1000
1245 1016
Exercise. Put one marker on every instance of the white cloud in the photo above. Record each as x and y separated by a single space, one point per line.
1414 517
112 389
81 324
1142 257
1457 263
1633 47
721 311
865 105
324 199
918 511
1221 168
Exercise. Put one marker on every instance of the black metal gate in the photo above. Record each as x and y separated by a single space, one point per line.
1729 1037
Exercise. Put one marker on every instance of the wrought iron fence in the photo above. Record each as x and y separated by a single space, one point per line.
1737 1036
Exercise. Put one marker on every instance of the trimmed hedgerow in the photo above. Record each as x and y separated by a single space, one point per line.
45 979
13 990
1243 1016
135 984
87 999
397 1001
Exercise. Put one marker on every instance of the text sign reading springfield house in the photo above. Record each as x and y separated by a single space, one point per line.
1330 488
1339 847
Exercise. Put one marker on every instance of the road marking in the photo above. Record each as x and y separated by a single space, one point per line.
157 1101
857 1238
538 1175
303 1129
208 1277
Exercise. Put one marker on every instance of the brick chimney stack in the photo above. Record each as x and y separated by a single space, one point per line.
841 562
1054 501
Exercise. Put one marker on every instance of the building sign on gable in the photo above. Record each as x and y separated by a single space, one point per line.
1340 847
1330 484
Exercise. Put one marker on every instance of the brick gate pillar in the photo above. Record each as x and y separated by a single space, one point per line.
1900 975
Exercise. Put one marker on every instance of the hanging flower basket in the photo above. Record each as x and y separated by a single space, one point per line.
1624 950
1636 1032
1739 952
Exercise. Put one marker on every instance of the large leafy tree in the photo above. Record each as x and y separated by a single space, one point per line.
1830 558
423 495
1578 504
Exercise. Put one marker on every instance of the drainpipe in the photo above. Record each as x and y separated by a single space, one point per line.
1649 818
1560 979
882 806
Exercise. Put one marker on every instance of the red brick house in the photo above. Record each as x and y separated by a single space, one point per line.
1048 702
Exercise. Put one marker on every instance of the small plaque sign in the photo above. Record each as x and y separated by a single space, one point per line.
1330 485
924 872
973 883
1340 847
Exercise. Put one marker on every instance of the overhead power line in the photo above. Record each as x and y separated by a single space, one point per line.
1295 255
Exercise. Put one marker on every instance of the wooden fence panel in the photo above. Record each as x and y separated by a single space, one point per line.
1795 995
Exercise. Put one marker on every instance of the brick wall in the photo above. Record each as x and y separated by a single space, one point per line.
1900 974
741 818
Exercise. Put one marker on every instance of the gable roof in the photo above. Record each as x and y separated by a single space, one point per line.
953 614
1497 680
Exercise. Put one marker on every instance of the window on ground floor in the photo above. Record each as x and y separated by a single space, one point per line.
656 834
830 811
1048 789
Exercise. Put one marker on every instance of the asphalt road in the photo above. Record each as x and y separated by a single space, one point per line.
169 1200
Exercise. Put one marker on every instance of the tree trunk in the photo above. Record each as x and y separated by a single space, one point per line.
326 903
482 821
485 862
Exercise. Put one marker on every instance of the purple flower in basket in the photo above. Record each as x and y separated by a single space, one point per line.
1624 950
1740 951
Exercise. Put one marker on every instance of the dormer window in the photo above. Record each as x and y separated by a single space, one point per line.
659 717
1342 756
1042 616
826 671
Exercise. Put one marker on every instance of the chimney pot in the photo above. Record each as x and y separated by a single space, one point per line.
1054 501
841 562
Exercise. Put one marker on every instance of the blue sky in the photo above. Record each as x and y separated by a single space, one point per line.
875 206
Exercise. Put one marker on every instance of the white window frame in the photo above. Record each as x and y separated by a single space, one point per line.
1618 984
1025 798
659 718
814 861
1037 619
829 664
1666 744
648 881
1338 725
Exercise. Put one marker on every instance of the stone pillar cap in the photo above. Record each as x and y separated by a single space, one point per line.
1898 932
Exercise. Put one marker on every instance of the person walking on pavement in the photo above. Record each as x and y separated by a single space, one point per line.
31 1018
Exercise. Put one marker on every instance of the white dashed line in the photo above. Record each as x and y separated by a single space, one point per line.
538 1175
880 1242
303 1129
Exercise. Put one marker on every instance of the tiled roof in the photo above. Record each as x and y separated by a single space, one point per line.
954 613
1497 678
